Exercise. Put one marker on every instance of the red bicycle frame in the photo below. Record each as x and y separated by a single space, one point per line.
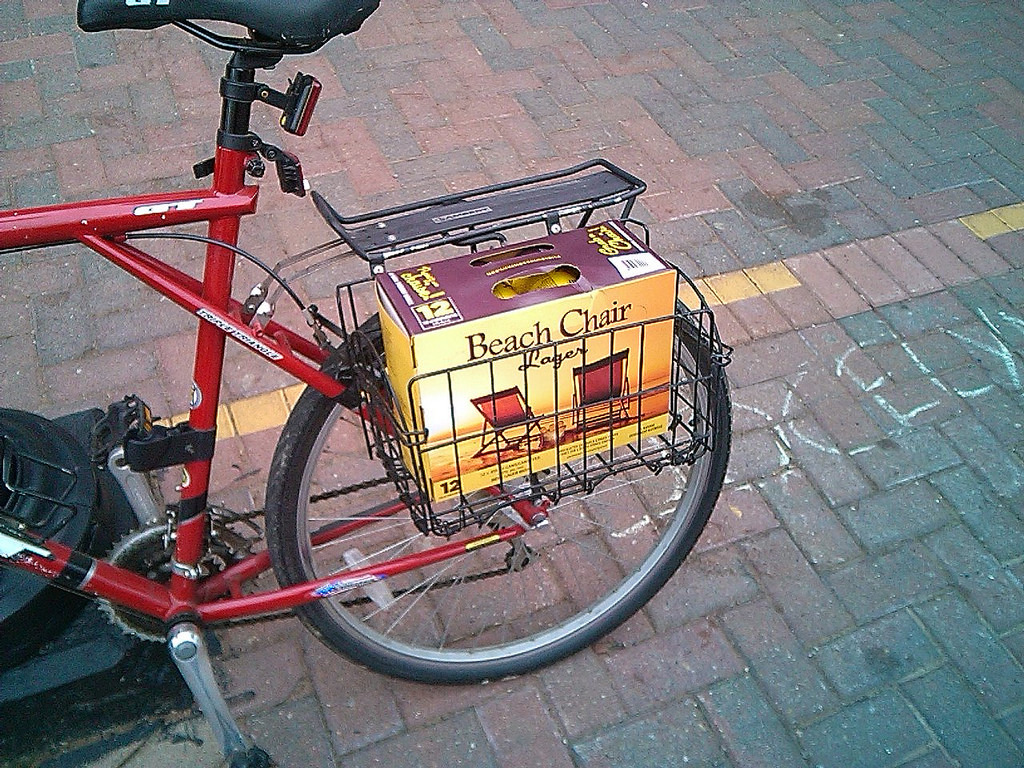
102 225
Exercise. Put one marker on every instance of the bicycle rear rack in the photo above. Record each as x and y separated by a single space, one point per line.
470 218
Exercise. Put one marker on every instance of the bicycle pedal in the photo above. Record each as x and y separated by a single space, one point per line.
110 431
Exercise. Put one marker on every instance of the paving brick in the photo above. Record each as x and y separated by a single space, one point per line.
800 307
521 731
1009 246
139 325
729 329
975 650
879 585
582 693
937 369
935 257
766 171
907 455
992 589
908 272
889 173
867 329
358 707
884 203
763 405
739 513
743 239
793 684
838 296
805 601
766 359
893 516
1009 286
846 421
816 530
941 206
18 320
1003 471
1012 723
965 730
713 259
926 313
869 280
936 758
253 680
759 317
60 327
710 581
873 733
675 735
21 374
457 742
861 223
672 664
752 732
999 315
982 512
1001 413
886 651
833 472
755 455
275 731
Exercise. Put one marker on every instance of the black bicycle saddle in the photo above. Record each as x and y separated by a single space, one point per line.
292 24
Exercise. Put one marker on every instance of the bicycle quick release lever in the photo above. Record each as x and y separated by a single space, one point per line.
289 169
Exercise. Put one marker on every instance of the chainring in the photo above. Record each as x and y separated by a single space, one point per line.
148 552
144 551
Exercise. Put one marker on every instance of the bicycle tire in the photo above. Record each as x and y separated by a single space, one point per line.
460 627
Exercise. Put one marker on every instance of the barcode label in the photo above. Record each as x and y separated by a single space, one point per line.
635 264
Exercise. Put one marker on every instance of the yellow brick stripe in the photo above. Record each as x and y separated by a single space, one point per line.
743 284
270 409
252 414
997 221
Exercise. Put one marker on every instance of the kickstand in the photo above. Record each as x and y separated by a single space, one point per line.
190 655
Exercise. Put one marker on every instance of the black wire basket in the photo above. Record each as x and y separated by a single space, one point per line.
532 456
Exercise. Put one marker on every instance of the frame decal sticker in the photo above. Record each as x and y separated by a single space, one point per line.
178 205
239 334
10 547
343 585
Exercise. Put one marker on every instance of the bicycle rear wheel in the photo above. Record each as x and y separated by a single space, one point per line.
497 610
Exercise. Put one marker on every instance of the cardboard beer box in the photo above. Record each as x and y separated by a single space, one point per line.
509 361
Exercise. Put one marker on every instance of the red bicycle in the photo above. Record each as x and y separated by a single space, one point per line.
483 585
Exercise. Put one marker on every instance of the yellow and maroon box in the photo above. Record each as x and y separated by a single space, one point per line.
513 360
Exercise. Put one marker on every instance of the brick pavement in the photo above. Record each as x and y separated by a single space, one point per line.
857 599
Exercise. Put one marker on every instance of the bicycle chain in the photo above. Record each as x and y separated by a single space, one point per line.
246 517
327 495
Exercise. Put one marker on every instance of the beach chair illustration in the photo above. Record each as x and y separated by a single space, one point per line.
509 422
601 395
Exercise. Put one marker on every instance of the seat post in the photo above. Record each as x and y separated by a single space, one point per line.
235 112
236 98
